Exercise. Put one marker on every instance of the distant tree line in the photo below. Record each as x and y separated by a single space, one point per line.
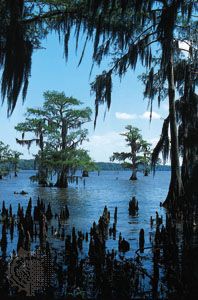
29 164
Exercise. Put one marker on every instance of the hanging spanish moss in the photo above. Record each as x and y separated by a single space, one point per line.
16 53
163 145
27 143
127 29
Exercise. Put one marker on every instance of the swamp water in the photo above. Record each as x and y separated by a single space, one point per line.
86 201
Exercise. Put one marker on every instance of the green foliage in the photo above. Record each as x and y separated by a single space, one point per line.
34 123
29 164
84 161
137 146
4 152
26 164
14 159
58 131
9 159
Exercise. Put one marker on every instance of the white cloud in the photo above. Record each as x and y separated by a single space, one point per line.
125 116
102 146
146 115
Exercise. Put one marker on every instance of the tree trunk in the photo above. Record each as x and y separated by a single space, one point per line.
145 166
62 181
42 175
191 188
175 187
85 173
190 144
15 170
42 178
42 172
133 160
133 176
188 126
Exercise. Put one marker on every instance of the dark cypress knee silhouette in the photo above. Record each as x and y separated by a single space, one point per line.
4 239
48 213
141 240
133 206
115 214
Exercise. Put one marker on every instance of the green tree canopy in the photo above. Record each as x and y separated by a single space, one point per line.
9 159
65 133
57 129
137 146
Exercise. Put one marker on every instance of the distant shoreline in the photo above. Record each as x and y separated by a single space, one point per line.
29 164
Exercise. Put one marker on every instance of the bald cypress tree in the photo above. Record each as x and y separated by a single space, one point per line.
187 121
67 118
136 156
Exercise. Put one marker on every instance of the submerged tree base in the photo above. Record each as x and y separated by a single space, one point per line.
43 183
85 174
61 184
133 177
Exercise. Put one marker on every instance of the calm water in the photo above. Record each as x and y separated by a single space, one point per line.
87 200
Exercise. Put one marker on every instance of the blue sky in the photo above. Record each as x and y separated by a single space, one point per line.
51 72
